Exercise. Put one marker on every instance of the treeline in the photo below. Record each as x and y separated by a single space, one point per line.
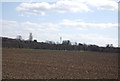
66 45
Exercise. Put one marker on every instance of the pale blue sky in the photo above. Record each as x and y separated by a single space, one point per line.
91 23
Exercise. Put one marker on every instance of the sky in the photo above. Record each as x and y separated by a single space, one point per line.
81 21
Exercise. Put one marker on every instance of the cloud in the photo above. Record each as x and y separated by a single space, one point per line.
62 6
50 31
103 4
91 39
66 23
13 28
84 25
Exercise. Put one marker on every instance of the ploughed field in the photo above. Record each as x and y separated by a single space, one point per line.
56 64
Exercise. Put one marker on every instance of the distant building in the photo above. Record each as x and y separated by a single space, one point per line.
19 37
60 40
30 37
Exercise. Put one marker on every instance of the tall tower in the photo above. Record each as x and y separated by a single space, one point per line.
60 40
30 37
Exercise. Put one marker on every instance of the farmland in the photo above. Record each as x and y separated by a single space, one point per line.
56 64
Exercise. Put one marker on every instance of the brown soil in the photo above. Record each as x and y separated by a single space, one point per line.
52 64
